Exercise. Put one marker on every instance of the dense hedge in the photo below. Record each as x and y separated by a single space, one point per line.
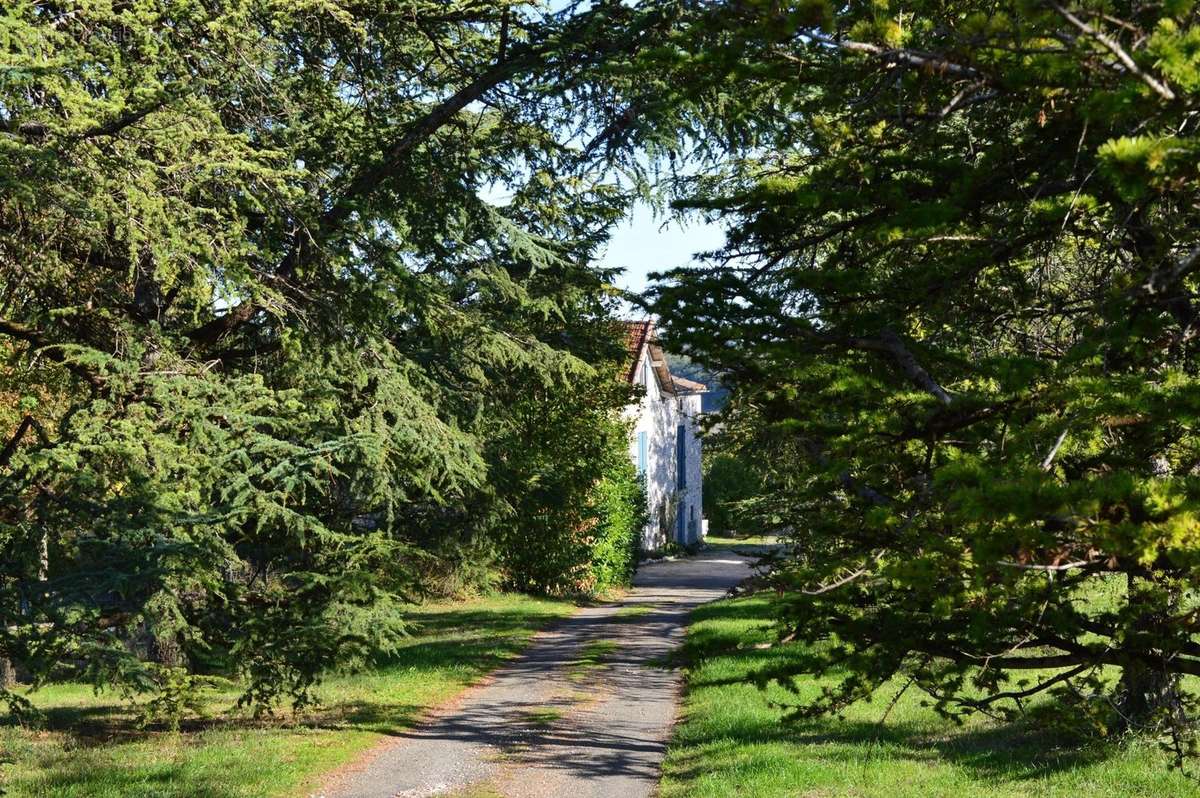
619 505
572 547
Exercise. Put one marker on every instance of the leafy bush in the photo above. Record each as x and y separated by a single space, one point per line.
619 504
574 538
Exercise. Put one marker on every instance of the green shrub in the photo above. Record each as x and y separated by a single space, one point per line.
571 537
727 481
619 504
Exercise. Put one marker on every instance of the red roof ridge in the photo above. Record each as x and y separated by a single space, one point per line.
637 333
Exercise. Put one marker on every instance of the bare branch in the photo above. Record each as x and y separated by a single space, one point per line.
1067 566
20 331
961 100
845 478
214 330
891 344
1162 279
115 126
613 129
36 339
927 62
1062 436
1034 690
1031 662
1114 47
829 586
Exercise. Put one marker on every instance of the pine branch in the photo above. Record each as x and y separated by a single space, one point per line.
21 332
852 576
1114 47
1078 655
908 364
1017 695
845 478
10 448
36 339
927 62
115 126
367 181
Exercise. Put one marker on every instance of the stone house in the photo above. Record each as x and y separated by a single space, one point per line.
665 444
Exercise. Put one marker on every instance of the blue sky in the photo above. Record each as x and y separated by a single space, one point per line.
643 244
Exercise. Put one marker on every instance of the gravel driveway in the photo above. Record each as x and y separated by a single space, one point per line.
585 713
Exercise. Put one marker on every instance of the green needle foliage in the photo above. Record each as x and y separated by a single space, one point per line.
261 332
958 309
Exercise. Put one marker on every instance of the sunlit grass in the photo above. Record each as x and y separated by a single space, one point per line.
92 746
732 741
749 540
749 546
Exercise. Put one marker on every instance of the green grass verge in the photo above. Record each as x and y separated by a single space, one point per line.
750 546
749 540
91 745
731 741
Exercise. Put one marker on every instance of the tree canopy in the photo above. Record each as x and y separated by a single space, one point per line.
957 308
270 277
297 305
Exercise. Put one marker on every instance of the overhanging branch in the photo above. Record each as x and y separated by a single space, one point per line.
898 56
890 344
1113 46
10 448
36 339
367 180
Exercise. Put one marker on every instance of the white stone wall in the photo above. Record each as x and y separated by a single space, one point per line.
658 415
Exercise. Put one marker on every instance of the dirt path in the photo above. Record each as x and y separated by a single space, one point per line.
585 713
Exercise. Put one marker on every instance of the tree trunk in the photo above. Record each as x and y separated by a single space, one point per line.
1147 696
1148 693
165 650
8 674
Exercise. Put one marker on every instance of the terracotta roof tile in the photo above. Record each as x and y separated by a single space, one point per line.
636 335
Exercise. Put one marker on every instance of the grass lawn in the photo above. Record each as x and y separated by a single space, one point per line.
748 540
751 545
91 745
731 742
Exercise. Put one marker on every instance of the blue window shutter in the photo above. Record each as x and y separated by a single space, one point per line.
681 454
679 533
642 458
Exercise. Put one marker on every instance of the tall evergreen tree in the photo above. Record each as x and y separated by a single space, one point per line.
958 309
258 320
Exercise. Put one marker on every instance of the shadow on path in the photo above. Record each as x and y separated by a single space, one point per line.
584 713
